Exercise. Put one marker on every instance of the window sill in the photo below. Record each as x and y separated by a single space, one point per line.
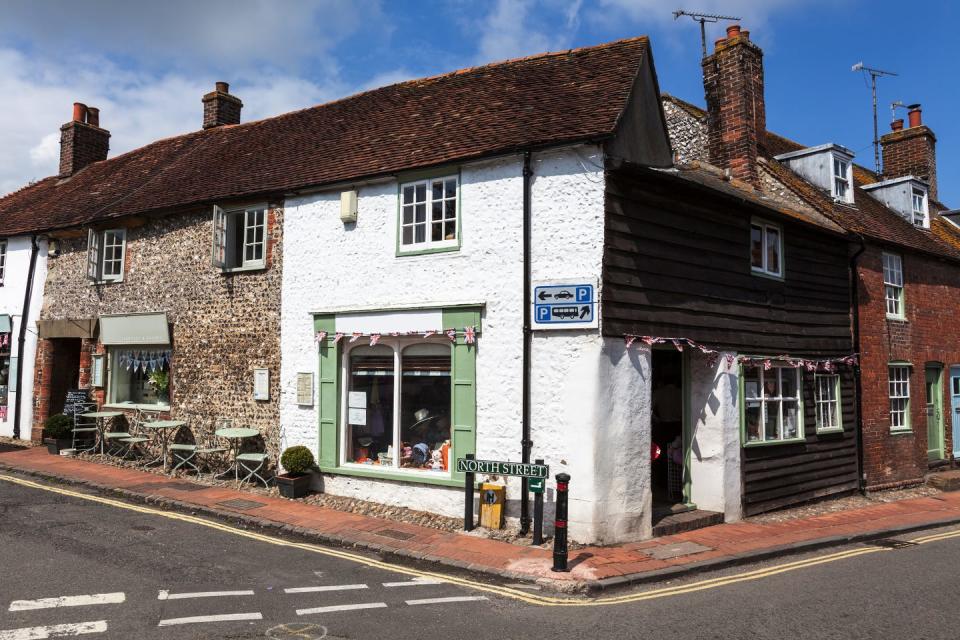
772 443
768 276
228 271
130 405
890 316
901 432
364 471
826 432
97 283
402 253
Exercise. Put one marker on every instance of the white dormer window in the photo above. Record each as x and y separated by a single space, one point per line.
841 181
920 216
828 166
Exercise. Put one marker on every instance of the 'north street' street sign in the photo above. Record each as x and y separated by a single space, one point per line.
565 306
495 467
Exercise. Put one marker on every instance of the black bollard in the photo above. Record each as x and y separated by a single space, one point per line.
468 498
560 524
538 513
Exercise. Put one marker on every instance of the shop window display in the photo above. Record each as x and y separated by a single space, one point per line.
140 376
398 406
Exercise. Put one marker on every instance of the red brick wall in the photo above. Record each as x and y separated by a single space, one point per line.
931 289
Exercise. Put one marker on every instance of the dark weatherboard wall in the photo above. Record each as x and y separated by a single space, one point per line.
677 264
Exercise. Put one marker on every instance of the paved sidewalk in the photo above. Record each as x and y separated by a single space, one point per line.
592 568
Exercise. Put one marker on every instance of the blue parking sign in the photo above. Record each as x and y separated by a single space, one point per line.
585 294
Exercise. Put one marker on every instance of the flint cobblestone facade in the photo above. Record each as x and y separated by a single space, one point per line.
222 325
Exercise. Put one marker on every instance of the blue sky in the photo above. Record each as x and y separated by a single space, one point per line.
146 65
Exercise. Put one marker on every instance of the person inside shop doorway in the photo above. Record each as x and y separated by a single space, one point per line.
667 430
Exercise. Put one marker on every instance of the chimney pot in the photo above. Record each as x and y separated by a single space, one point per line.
744 34
79 112
223 87
914 114
897 125
93 116
733 31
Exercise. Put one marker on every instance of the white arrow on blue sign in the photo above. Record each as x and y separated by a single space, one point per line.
571 305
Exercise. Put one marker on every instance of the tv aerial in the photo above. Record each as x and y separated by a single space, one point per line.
703 19
874 74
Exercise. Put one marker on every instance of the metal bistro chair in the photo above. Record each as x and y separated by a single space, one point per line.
202 450
84 429
137 436
252 464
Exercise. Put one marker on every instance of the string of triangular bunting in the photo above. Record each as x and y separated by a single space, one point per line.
469 335
713 355
145 360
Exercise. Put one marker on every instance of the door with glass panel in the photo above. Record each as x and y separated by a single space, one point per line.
955 408
934 412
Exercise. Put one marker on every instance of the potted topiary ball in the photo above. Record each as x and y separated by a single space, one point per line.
297 462
58 433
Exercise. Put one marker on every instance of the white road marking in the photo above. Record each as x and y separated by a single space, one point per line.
67 601
413 583
54 631
223 617
332 587
342 607
163 594
450 599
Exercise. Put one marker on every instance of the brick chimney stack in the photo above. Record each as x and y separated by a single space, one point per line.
737 120
220 108
911 151
82 141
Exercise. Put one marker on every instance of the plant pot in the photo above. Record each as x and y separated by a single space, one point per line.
55 445
293 486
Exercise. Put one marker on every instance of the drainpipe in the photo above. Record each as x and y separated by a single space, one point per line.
857 382
22 339
525 442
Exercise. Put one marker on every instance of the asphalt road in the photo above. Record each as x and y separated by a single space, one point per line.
69 566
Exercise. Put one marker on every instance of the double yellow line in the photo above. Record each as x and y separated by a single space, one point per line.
506 592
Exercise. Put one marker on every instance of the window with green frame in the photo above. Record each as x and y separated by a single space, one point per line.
403 409
827 399
772 405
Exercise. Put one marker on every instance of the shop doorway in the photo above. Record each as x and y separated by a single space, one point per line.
65 374
935 448
667 472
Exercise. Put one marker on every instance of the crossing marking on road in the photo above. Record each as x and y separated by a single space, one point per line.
529 598
446 600
163 594
223 617
67 601
416 582
330 587
342 607
54 631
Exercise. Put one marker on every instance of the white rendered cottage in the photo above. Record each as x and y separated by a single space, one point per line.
380 267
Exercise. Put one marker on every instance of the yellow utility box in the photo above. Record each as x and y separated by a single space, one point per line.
492 498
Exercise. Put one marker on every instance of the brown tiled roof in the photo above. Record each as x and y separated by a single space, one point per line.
543 100
867 216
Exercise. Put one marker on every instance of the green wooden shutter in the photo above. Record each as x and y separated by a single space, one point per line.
12 375
329 394
464 384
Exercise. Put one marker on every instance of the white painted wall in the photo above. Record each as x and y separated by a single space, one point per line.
589 397
11 302
715 416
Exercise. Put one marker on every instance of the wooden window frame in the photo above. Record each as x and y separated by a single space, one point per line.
763 441
3 261
842 178
823 406
921 216
428 245
898 392
893 289
230 256
764 269
97 255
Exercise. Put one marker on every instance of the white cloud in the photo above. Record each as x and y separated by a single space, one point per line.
506 31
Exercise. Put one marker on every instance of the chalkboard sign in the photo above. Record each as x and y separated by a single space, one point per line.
76 402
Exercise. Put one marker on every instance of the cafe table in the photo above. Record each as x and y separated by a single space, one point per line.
102 417
235 435
164 428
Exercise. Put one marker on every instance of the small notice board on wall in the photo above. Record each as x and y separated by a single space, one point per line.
305 389
261 384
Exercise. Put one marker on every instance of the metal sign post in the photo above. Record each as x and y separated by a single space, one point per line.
468 497
536 486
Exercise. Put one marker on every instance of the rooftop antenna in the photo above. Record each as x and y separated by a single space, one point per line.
874 74
896 104
702 18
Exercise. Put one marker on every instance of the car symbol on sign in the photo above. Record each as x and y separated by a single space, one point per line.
563 295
